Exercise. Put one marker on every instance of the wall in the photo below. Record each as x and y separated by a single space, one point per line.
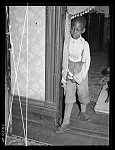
35 27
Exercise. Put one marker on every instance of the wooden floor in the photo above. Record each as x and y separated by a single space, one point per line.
99 61
45 133
95 132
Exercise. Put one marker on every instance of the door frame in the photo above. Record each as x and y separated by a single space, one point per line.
55 27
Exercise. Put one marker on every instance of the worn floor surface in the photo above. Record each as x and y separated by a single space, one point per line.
95 132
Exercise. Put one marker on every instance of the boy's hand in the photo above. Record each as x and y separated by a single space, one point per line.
78 78
63 82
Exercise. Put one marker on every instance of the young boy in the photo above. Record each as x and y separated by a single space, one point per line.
76 77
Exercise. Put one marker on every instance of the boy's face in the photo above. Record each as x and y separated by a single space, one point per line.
76 30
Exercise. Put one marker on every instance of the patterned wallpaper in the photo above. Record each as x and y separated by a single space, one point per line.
36 50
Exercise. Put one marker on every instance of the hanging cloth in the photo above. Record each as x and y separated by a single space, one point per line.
103 9
79 10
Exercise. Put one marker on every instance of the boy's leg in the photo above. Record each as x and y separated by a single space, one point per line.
83 108
83 96
66 120
83 115
70 98
67 113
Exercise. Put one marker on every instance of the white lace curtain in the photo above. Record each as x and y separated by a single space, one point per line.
80 10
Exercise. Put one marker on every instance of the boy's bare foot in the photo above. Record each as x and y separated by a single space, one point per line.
83 116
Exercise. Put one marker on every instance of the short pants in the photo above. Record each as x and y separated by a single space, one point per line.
72 87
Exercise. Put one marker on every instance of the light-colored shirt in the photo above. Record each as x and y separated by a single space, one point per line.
79 51
75 49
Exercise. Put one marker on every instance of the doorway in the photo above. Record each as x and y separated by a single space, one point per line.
94 34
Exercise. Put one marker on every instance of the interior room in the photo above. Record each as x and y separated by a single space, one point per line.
34 96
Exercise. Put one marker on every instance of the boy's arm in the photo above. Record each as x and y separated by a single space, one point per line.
86 58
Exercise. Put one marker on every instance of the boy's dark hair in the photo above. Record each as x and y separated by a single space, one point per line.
81 20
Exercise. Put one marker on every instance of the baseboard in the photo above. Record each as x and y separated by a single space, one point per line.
36 110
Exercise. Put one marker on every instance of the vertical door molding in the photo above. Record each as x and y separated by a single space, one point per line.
55 20
54 42
49 65
60 26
